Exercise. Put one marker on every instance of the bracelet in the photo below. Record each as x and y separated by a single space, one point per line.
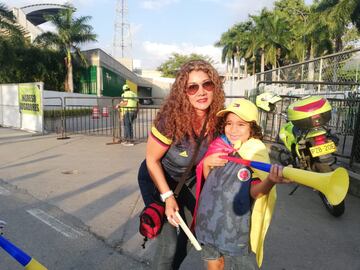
166 195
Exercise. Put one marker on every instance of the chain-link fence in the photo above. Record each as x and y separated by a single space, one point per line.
103 119
335 73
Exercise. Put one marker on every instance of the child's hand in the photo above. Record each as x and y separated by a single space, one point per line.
214 160
276 174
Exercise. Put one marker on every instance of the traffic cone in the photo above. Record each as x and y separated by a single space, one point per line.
105 112
95 112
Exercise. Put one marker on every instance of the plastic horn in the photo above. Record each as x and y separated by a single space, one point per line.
188 232
334 185
22 258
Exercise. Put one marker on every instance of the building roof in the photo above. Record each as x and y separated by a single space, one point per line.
111 63
37 13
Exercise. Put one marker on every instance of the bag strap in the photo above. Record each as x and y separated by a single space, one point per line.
192 161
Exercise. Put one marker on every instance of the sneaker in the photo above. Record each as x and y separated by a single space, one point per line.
127 144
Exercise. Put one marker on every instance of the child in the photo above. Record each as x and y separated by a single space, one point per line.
228 220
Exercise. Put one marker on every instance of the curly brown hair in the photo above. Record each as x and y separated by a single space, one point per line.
180 117
255 129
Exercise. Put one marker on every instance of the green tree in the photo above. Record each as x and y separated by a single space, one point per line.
71 33
8 25
170 67
235 43
22 62
355 16
272 37
296 15
338 14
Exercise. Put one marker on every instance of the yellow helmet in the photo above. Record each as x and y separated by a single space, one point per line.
267 100
243 108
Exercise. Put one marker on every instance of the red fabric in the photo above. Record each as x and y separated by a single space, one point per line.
152 220
217 146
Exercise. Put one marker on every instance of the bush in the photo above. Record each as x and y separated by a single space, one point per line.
57 113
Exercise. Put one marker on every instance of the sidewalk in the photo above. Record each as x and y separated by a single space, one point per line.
85 177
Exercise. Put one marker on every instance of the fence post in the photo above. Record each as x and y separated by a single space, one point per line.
63 121
320 74
113 114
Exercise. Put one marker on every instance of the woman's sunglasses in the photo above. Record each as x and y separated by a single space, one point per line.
193 88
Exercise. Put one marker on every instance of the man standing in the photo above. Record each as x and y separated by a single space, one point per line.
128 108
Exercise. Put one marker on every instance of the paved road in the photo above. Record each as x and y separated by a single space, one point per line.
54 238
91 187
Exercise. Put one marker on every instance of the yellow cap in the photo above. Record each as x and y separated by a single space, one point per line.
126 87
243 108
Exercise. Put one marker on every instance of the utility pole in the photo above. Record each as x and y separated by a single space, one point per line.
122 36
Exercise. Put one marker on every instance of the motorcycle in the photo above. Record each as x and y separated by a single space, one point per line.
309 145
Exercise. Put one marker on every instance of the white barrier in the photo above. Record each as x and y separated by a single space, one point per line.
9 106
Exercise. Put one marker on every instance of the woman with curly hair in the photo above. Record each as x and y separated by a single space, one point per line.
197 94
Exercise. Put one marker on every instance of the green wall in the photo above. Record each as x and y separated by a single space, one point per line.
112 83
88 81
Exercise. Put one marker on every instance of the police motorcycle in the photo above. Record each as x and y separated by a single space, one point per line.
309 145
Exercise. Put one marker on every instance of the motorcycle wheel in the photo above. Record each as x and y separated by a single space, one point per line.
334 210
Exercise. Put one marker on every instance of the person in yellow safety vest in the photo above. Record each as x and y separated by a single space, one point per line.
128 108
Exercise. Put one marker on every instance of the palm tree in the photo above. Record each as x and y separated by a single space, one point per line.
272 37
337 15
8 22
71 33
259 40
295 13
228 42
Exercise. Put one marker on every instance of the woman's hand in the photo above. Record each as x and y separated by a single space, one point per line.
276 174
171 207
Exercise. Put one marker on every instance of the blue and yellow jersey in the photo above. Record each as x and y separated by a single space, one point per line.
178 155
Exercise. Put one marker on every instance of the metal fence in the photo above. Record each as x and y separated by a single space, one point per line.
340 70
103 119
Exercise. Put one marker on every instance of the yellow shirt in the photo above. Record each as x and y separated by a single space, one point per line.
131 99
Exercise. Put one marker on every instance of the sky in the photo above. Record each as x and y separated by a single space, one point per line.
159 28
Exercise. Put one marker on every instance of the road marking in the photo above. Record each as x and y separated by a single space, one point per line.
55 223
4 191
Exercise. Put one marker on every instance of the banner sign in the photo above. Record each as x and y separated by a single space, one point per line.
30 99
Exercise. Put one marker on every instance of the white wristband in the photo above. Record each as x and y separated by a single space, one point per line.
166 195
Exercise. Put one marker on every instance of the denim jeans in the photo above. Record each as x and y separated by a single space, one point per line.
172 243
147 188
129 118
